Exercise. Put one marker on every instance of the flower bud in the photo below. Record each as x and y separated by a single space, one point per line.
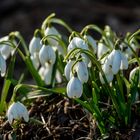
52 31
2 65
47 55
82 71
17 111
74 88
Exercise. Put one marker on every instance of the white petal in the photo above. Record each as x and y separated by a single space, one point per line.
47 55
35 60
116 57
124 62
102 49
92 43
52 31
82 72
74 88
35 46
2 66
6 51
67 69
109 77
48 74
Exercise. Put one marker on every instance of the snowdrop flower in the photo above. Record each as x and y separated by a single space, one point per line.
17 111
82 71
133 72
58 77
5 48
52 31
124 62
48 74
47 55
92 43
45 73
77 42
109 77
102 49
34 48
74 88
2 65
67 69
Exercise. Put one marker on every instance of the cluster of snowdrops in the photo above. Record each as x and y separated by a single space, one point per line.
101 74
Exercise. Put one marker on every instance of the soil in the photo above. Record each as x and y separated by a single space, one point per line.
58 118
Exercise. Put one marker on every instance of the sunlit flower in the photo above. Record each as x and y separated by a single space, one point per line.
101 50
51 31
67 69
17 111
74 88
45 73
34 48
6 49
2 65
82 71
47 55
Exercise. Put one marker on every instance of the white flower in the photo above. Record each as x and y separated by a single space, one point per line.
102 49
47 55
58 77
82 71
77 42
35 45
115 56
5 48
124 62
45 73
2 65
17 111
133 72
35 60
91 42
52 31
109 77
74 88
67 69
48 74
34 48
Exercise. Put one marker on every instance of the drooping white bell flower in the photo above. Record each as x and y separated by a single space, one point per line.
48 73
82 71
45 73
5 48
52 31
77 42
35 45
67 69
34 48
101 50
35 60
74 88
58 77
47 55
124 62
17 111
109 77
92 43
115 56
2 65
133 72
